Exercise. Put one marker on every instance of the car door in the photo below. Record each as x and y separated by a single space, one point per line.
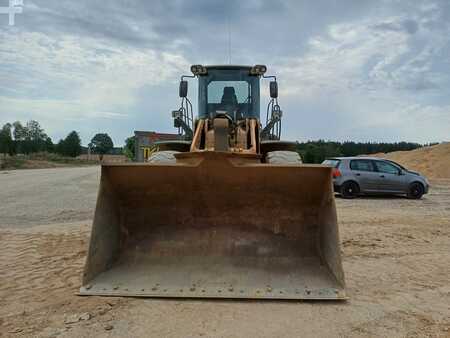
390 178
364 173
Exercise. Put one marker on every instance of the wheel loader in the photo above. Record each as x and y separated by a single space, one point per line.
227 210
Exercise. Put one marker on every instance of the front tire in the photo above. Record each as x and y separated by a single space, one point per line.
349 190
167 156
415 191
283 157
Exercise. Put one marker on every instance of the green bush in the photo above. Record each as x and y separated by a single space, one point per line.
318 151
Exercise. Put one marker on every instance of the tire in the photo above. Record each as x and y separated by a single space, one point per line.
167 156
415 191
349 189
283 157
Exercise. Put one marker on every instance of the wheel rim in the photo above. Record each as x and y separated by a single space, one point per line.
350 190
416 190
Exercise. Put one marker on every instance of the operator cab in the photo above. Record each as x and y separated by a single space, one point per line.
228 90
231 92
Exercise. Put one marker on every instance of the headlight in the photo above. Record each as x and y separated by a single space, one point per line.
199 70
176 114
258 70
277 114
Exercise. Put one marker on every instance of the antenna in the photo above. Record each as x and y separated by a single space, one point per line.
229 38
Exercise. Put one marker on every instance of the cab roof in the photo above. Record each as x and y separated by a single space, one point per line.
235 67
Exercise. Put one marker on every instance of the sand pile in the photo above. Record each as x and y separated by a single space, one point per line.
433 161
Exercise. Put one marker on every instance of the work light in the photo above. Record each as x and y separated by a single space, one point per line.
199 70
258 70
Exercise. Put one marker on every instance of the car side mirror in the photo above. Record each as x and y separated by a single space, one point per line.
401 172
273 86
183 88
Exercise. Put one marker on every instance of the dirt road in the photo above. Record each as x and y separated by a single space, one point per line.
44 196
396 258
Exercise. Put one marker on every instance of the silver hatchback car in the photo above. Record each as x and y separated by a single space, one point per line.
353 176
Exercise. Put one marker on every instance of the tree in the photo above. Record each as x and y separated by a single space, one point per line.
49 146
129 150
70 146
317 151
35 132
20 132
101 144
60 147
35 137
6 141
30 138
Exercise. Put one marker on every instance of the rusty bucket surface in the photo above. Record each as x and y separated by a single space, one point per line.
215 227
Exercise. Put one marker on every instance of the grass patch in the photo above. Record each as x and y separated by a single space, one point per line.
13 162
42 160
51 157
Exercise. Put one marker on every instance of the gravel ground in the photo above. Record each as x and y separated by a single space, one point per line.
43 196
396 257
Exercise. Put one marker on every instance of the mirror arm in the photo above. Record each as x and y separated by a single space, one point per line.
265 133
270 77
184 76
178 122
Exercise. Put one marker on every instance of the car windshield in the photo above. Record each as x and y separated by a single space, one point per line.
332 162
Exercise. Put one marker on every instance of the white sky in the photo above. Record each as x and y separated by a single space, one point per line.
347 70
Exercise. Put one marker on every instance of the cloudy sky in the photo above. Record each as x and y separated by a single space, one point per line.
347 70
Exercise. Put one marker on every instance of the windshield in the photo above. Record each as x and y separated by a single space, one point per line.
230 91
232 97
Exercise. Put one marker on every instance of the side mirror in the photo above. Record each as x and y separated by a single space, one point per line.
273 89
401 172
183 88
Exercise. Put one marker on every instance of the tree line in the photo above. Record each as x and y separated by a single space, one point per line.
318 151
16 138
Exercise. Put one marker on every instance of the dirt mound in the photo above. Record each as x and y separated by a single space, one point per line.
432 161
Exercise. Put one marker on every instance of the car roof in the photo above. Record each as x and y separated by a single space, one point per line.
358 158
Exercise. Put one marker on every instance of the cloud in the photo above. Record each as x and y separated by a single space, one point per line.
376 78
78 78
360 56
408 25
371 70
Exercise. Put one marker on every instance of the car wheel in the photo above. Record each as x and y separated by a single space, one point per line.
349 189
415 191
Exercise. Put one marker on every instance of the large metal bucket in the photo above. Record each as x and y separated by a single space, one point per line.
215 226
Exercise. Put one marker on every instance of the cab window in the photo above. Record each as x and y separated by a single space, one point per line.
386 168
361 165
228 92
